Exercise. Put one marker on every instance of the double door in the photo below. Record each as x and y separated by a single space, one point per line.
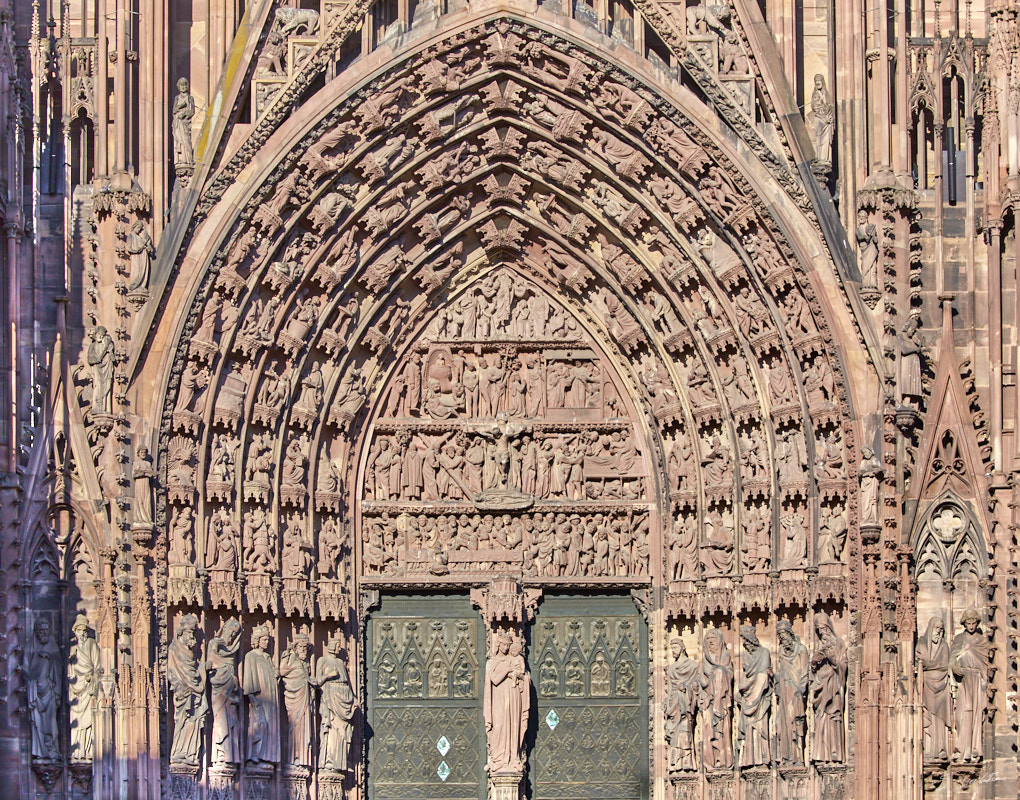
588 732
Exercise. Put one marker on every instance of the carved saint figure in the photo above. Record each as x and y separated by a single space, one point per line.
226 693
100 360
968 660
791 689
297 699
717 701
143 474
683 684
139 247
507 706
910 362
871 473
823 114
933 662
43 675
867 247
187 682
183 112
828 690
84 671
336 708
262 690
755 688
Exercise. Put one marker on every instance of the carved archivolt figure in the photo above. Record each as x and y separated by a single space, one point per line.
507 705
84 671
755 690
297 699
183 112
828 689
43 675
791 689
717 702
226 693
968 660
187 682
933 661
336 708
683 685
262 690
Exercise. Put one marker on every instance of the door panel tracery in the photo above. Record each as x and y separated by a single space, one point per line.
587 660
427 740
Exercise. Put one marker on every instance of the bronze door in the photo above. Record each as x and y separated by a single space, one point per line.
426 733
588 666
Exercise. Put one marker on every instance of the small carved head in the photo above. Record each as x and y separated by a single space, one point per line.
971 619
183 85
42 630
81 627
678 647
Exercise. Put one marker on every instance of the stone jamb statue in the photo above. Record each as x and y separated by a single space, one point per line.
336 708
84 672
187 678
968 660
44 693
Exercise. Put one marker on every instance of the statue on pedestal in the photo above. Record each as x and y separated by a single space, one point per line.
507 705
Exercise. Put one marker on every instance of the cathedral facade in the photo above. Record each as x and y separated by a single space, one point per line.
501 399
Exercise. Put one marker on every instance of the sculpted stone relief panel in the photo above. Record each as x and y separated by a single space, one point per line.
419 362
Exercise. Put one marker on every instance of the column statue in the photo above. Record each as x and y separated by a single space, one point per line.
791 688
43 676
226 693
186 676
717 702
968 660
261 687
84 672
828 689
683 682
933 662
755 689
297 699
336 708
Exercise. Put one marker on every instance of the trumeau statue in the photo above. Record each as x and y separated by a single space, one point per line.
261 687
755 691
507 705
297 699
84 672
791 689
187 678
226 693
828 690
968 660
683 686
717 701
336 708
43 675
933 663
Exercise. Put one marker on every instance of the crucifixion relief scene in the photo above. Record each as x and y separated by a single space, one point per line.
509 400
